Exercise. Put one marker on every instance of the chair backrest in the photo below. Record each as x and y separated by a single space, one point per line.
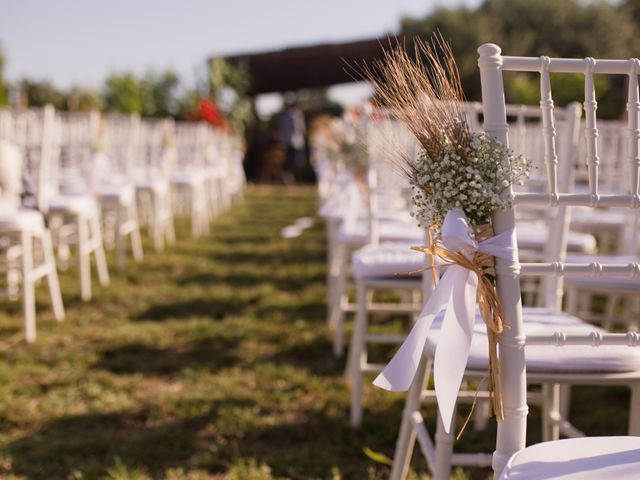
121 137
10 175
526 137
388 143
512 430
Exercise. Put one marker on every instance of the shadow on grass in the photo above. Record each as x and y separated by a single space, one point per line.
209 308
290 283
313 445
282 258
212 354
309 311
92 443
312 355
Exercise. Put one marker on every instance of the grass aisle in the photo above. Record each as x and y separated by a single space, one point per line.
211 360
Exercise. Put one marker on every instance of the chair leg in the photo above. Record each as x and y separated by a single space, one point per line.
170 231
333 273
28 288
407 436
571 295
136 240
610 311
101 258
634 410
358 356
550 409
52 277
196 229
481 415
157 222
340 297
121 259
444 449
564 402
84 251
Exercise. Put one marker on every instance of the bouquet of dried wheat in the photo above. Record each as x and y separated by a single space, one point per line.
460 177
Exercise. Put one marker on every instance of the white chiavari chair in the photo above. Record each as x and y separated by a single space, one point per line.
156 158
380 265
375 265
72 209
113 183
373 214
188 178
584 458
547 365
26 249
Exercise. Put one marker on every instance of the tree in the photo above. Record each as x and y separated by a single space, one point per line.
538 27
159 94
39 94
4 89
84 100
123 93
229 85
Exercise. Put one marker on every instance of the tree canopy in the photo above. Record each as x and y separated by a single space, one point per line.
567 28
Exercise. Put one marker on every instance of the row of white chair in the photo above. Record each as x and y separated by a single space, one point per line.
75 182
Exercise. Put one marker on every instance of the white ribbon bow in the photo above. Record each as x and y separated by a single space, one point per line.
456 294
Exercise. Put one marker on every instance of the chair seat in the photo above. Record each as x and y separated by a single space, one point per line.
122 194
590 458
188 177
569 359
388 260
530 237
156 186
588 219
73 204
536 236
22 220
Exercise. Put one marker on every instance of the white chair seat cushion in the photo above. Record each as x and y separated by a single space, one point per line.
605 284
157 186
590 458
388 260
586 218
334 209
574 358
122 194
73 204
188 177
22 220
532 236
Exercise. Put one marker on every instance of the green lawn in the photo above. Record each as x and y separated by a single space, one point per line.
211 360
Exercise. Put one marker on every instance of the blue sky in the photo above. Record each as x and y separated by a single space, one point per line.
79 42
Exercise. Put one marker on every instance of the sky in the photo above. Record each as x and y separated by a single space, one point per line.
79 42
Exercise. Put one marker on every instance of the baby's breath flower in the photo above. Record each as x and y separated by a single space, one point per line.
471 177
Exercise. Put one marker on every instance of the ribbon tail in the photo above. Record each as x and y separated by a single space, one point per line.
454 343
399 372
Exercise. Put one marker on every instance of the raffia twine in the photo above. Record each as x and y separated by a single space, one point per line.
483 265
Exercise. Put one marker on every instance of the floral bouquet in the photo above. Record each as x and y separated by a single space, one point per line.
459 180
349 147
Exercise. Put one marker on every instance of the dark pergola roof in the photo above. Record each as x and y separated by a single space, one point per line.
308 67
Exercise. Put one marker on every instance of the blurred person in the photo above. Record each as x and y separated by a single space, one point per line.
293 130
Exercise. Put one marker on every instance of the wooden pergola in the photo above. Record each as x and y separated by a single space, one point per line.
314 66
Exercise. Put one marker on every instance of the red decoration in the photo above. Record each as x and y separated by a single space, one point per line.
208 111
